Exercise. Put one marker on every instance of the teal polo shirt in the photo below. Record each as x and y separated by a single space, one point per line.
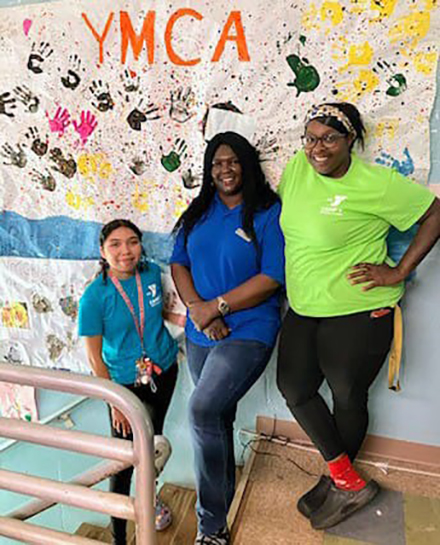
220 257
102 311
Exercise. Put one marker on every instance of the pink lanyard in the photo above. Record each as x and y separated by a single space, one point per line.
139 326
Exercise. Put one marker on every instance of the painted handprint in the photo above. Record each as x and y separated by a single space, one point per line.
182 101
86 126
60 121
72 78
26 97
307 78
139 164
7 102
404 167
267 147
64 165
102 99
37 57
190 180
38 145
173 160
131 84
45 180
15 157
141 114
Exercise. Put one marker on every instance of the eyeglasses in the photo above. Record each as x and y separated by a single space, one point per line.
328 140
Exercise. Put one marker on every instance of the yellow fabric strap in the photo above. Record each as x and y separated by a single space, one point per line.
395 358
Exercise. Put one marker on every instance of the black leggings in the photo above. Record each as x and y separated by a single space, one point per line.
347 351
157 405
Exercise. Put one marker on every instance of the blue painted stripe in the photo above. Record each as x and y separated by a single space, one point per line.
60 237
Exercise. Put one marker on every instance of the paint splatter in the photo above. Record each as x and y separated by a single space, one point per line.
69 305
404 166
27 23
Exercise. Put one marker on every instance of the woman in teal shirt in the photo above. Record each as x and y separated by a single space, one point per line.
120 315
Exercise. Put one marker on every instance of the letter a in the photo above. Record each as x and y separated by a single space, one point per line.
243 53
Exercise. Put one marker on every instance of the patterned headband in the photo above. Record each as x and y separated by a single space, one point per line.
324 110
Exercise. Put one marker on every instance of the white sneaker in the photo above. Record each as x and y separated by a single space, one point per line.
162 451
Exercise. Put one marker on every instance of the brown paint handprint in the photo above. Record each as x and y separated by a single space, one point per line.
142 113
45 180
64 165
38 145
182 101
102 99
7 102
72 78
26 97
131 84
15 157
37 57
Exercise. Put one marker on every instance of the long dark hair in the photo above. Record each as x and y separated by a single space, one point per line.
106 231
353 115
257 193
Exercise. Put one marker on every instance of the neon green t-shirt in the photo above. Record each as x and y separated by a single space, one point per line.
331 224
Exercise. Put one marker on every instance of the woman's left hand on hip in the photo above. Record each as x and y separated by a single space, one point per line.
375 275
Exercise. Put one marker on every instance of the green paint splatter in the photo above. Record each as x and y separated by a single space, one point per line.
302 39
307 78
397 85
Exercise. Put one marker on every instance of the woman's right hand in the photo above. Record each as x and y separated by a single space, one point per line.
217 330
120 423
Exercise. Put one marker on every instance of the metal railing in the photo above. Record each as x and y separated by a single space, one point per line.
120 452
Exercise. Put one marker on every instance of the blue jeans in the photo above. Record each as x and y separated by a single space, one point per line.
222 374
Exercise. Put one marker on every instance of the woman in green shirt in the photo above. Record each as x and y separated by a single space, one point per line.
342 289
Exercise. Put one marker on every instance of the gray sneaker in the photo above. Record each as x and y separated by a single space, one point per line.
222 537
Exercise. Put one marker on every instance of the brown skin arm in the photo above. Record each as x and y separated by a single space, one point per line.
384 275
249 294
94 355
183 281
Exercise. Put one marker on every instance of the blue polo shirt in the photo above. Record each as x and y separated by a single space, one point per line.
102 311
220 257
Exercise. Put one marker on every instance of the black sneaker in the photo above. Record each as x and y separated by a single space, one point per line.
222 537
315 497
340 504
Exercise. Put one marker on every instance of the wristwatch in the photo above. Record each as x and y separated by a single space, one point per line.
223 306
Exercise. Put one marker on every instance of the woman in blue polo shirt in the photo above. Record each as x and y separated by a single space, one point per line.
120 315
228 266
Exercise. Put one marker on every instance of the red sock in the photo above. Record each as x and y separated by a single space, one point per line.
344 475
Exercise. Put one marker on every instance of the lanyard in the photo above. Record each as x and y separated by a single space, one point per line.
139 325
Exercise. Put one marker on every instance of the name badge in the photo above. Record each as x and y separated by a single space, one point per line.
242 234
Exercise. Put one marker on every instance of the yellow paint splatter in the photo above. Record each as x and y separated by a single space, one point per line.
77 201
387 128
424 62
15 315
353 55
411 29
332 11
93 166
365 82
309 18
359 6
141 197
383 9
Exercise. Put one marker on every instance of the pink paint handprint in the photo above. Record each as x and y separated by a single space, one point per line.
86 127
60 122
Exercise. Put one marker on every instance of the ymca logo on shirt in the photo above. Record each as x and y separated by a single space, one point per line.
154 298
333 206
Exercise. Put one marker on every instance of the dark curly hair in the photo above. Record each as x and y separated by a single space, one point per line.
257 193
